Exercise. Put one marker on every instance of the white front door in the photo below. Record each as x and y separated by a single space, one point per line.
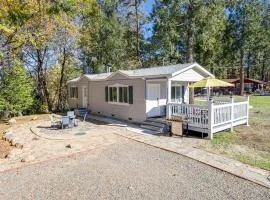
152 100
84 96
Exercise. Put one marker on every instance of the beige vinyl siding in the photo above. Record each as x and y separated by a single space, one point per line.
74 103
98 103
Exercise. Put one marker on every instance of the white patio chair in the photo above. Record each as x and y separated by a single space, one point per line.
71 113
54 122
65 121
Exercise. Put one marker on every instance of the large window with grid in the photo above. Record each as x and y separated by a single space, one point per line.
119 94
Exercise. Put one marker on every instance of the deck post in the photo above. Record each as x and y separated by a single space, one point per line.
232 112
247 98
169 111
210 118
169 87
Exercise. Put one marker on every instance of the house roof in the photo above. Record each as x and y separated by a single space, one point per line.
98 76
156 71
91 77
169 70
234 80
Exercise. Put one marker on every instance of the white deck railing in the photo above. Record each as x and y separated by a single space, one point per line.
212 117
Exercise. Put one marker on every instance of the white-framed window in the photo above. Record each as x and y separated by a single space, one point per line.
118 94
73 92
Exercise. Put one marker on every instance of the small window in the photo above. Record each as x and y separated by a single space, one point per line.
74 92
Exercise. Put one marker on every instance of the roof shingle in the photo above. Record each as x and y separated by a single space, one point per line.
143 72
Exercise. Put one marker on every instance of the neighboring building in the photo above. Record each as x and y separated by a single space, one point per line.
135 95
250 85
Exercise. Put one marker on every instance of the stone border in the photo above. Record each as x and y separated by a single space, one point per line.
236 168
9 136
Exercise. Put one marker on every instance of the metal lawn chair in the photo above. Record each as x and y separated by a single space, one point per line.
85 115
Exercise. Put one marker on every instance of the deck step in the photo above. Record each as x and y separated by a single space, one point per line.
157 124
158 120
152 128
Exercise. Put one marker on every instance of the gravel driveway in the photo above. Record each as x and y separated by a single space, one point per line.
125 170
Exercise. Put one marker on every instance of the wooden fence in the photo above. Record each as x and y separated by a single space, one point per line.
212 117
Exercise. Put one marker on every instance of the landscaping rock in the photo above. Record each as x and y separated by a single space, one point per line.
28 158
68 146
3 155
8 137
34 118
19 145
35 138
14 141
12 121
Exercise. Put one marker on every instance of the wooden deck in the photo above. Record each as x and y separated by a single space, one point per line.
214 116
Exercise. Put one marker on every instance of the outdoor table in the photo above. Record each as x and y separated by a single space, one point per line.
72 121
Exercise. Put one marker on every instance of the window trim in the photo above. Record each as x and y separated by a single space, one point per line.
71 93
175 85
117 86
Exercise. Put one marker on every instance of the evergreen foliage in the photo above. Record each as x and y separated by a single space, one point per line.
16 90
53 41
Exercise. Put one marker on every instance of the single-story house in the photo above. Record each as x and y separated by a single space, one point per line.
250 85
135 95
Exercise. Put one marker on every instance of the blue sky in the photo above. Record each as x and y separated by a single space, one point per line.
147 8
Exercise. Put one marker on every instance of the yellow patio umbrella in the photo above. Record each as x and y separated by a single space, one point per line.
210 82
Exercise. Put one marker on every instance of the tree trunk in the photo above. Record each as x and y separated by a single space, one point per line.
41 77
190 37
248 65
60 105
242 75
137 32
263 70
46 93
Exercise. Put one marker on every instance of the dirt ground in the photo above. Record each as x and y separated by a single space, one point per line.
5 146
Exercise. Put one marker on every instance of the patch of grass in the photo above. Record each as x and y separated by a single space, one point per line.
260 101
263 163
260 113
249 145
223 138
